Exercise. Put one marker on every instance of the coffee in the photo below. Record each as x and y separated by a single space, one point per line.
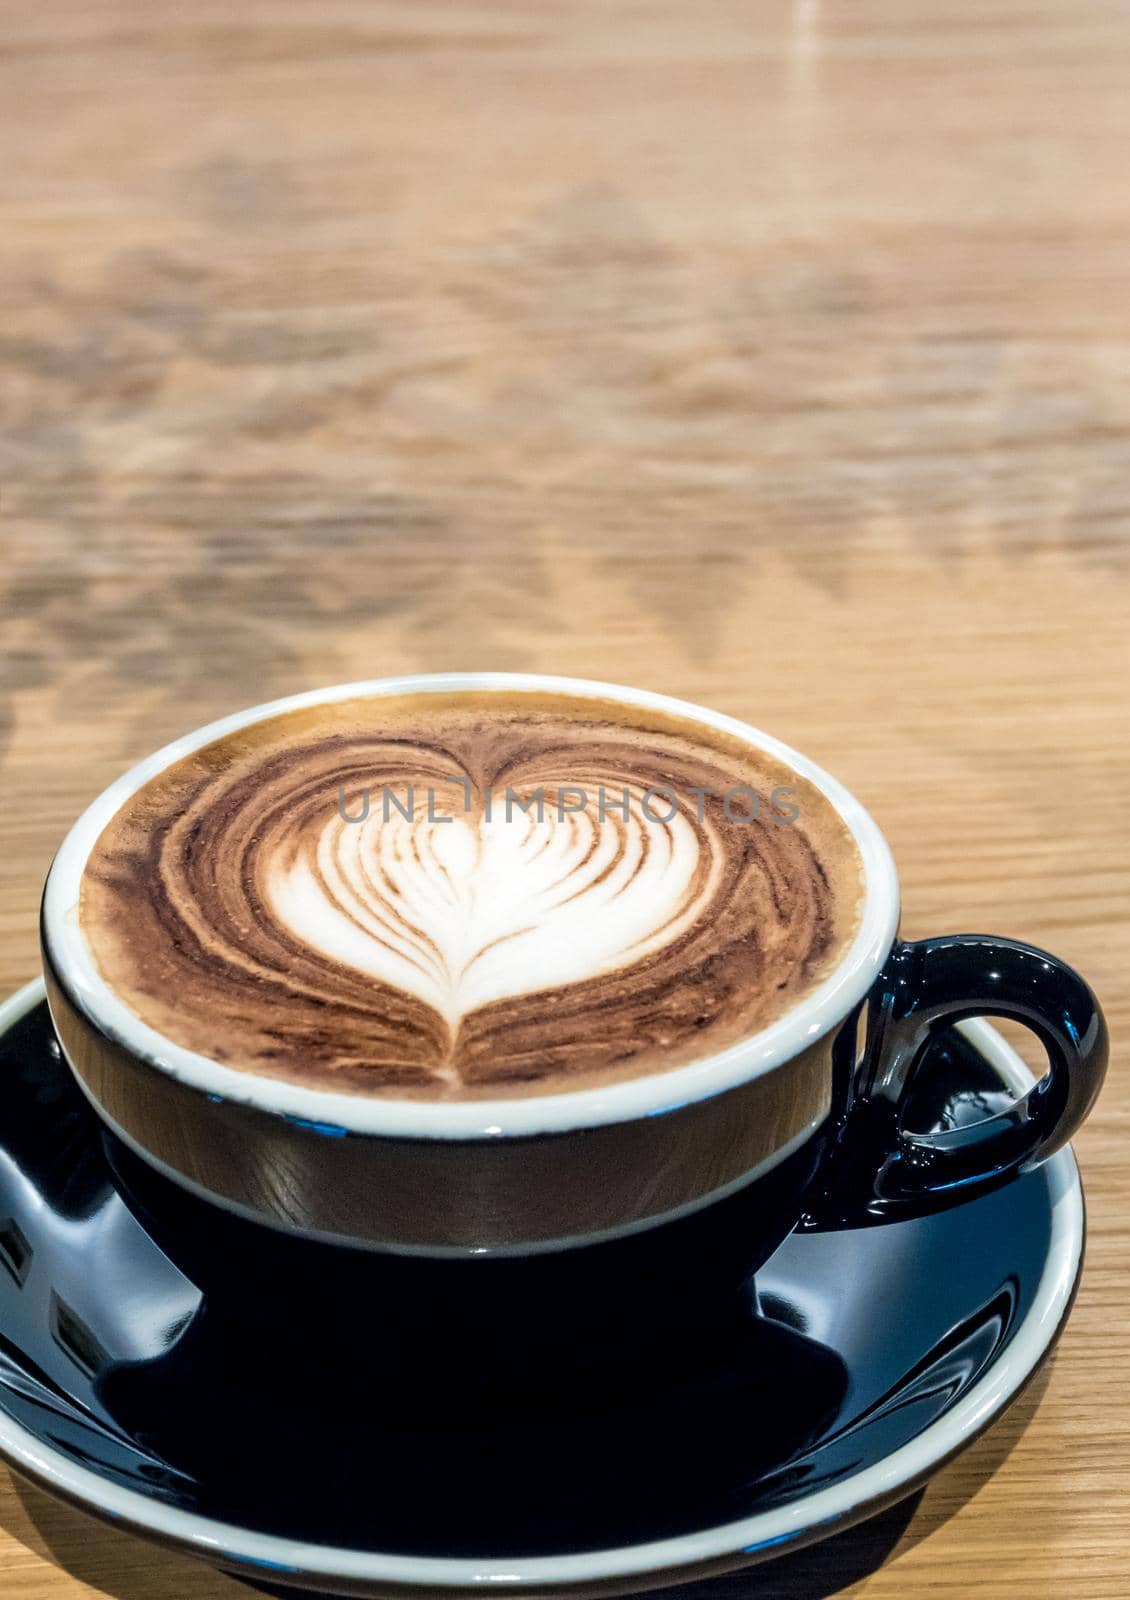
470 895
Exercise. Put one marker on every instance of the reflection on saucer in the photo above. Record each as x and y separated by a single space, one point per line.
868 1348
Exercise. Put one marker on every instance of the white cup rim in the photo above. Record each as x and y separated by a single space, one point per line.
333 1111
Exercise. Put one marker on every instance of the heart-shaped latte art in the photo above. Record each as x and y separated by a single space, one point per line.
461 907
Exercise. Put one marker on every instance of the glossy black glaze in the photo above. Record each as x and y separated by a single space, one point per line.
475 1313
880 1166
113 1356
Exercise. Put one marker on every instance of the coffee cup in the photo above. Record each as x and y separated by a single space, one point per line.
674 1178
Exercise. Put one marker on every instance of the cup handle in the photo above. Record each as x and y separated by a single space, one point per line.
876 1169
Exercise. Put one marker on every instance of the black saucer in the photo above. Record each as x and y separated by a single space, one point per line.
877 1354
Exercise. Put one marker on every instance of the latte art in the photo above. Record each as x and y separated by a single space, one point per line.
465 945
462 909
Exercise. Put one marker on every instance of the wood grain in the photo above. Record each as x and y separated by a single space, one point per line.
775 356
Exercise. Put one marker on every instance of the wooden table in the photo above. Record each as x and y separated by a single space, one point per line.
773 355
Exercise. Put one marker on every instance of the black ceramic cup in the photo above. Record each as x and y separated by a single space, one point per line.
516 1219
